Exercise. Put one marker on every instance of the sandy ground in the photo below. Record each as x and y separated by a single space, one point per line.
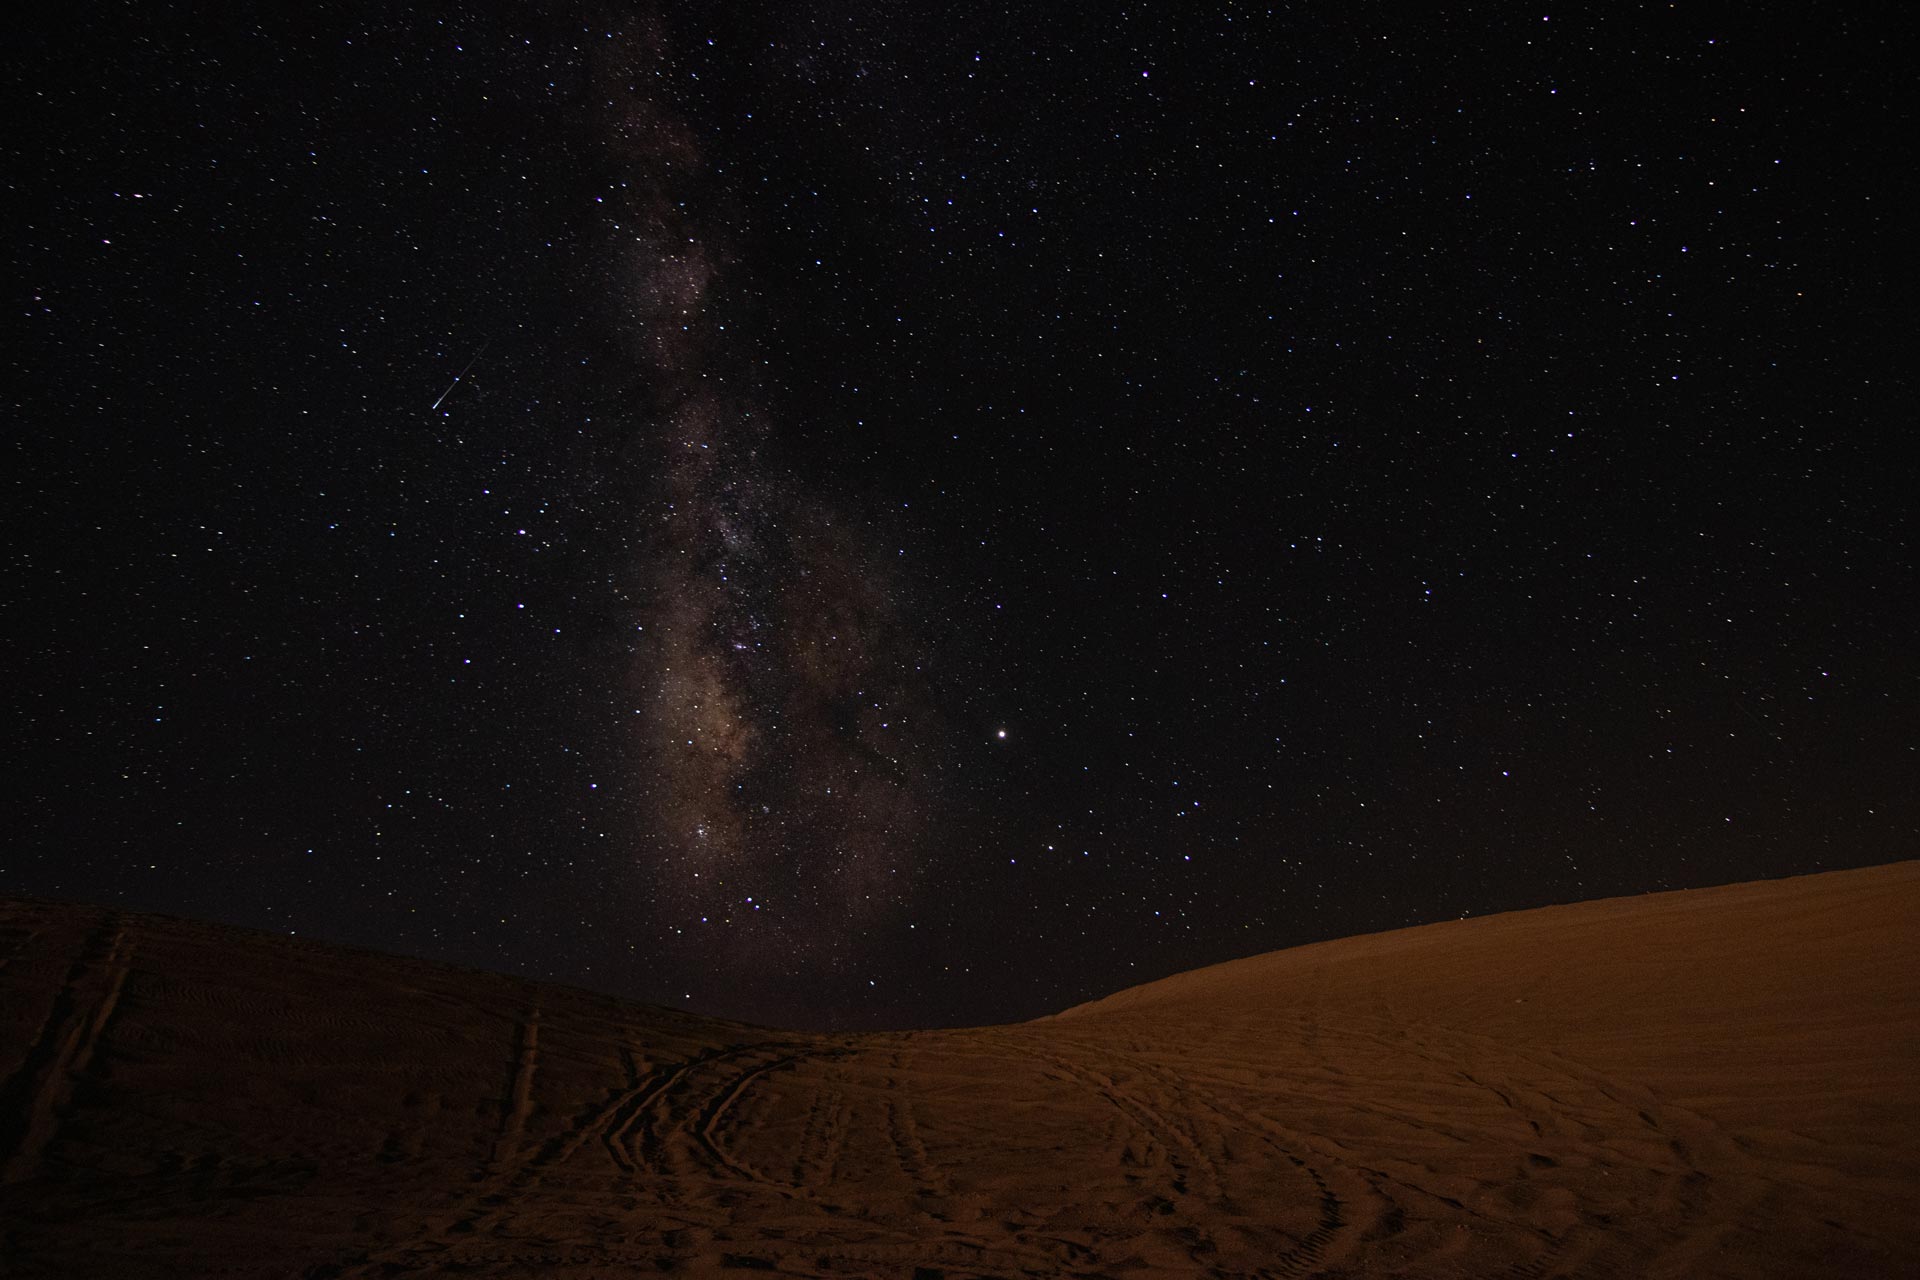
1716 1083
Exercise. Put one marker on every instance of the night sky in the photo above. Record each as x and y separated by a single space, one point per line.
878 513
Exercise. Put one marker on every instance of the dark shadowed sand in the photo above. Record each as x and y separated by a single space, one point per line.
1715 1083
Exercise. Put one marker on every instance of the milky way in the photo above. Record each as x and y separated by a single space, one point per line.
781 731
1375 471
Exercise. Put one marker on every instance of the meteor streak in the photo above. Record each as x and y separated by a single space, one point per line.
463 373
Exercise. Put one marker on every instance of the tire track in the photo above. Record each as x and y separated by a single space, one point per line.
518 1103
1679 1199
908 1152
634 1109
1310 1253
1306 1257
706 1129
824 1132
903 1132
485 1208
615 1115
42 1086
1196 1174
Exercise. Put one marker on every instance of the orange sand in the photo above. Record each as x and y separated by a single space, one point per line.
1723 1082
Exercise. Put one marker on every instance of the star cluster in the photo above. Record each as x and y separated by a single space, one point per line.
779 778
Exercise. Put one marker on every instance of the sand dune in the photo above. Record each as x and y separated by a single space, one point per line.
1715 1083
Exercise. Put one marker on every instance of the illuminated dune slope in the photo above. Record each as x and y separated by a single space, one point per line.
1723 1082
